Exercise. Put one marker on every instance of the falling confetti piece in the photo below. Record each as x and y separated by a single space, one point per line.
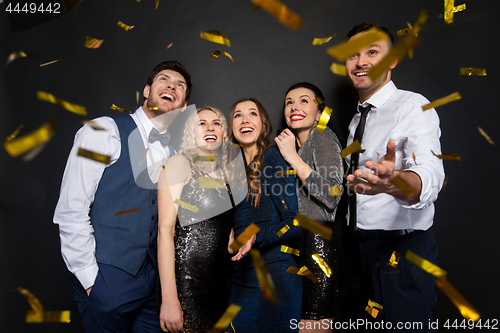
338 69
303 271
281 13
93 43
215 54
465 308
403 186
313 226
244 237
93 156
14 134
157 2
472 71
319 101
19 54
215 37
50 62
351 149
125 211
124 26
283 230
426 265
114 107
34 302
29 141
442 101
265 281
207 182
226 318
207 158
322 264
93 124
372 311
321 41
450 9
284 204
169 45
394 259
75 108
48 317
373 308
486 136
448 156
324 119
290 250
414 157
144 156
335 190
185 205
346 49
285 173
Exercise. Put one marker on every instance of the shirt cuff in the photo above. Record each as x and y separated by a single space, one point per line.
425 193
87 275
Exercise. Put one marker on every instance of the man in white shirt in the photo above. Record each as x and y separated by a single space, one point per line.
108 218
399 138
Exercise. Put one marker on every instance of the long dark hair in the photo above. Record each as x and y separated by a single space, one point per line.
254 168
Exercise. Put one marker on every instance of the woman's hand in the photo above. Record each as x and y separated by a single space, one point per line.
243 251
286 145
171 317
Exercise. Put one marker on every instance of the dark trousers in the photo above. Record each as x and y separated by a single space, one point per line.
406 292
118 301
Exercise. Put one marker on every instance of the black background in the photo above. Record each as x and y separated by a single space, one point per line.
268 58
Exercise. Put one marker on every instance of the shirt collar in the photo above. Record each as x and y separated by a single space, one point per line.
144 120
380 97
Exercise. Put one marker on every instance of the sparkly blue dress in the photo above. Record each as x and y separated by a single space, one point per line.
277 208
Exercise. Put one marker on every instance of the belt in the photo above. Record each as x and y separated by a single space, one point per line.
366 235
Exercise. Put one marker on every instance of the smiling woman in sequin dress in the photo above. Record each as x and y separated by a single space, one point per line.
194 264
319 167
271 204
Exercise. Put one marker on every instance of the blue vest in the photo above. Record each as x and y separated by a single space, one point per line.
125 240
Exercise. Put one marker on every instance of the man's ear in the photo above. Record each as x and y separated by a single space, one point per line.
183 108
145 92
394 64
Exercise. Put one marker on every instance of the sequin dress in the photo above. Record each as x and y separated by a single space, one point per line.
202 262
277 208
321 152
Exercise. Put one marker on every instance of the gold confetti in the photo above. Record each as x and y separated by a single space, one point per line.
373 308
283 230
93 156
93 43
319 101
50 62
236 145
448 156
185 205
372 311
281 13
403 186
30 141
124 26
346 49
284 204
92 124
334 191
114 107
144 157
215 37
426 265
226 318
157 2
169 45
472 71
338 69
126 211
321 41
404 31
322 264
442 101
78 109
414 157
265 281
290 250
47 317
208 182
324 119
375 304
19 54
244 237
285 173
486 136
351 149
207 158
394 259
465 308
153 108
313 226
450 9
34 302
303 271
14 134
215 54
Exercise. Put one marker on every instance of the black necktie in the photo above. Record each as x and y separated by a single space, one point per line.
358 135
154 135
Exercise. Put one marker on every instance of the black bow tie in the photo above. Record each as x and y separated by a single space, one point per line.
154 135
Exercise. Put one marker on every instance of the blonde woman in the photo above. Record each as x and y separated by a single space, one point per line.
194 264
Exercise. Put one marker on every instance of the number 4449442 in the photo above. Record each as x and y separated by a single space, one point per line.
54 8
471 324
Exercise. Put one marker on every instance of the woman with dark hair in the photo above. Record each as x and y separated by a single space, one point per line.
271 204
319 170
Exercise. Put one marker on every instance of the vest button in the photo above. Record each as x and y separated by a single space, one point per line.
150 233
153 202
152 217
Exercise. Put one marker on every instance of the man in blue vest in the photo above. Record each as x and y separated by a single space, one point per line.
108 220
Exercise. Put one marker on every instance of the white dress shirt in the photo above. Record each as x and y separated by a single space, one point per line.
79 185
397 115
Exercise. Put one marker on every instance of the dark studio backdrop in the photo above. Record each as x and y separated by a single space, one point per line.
268 58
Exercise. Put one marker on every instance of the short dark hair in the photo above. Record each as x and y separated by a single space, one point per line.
365 26
175 66
317 92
